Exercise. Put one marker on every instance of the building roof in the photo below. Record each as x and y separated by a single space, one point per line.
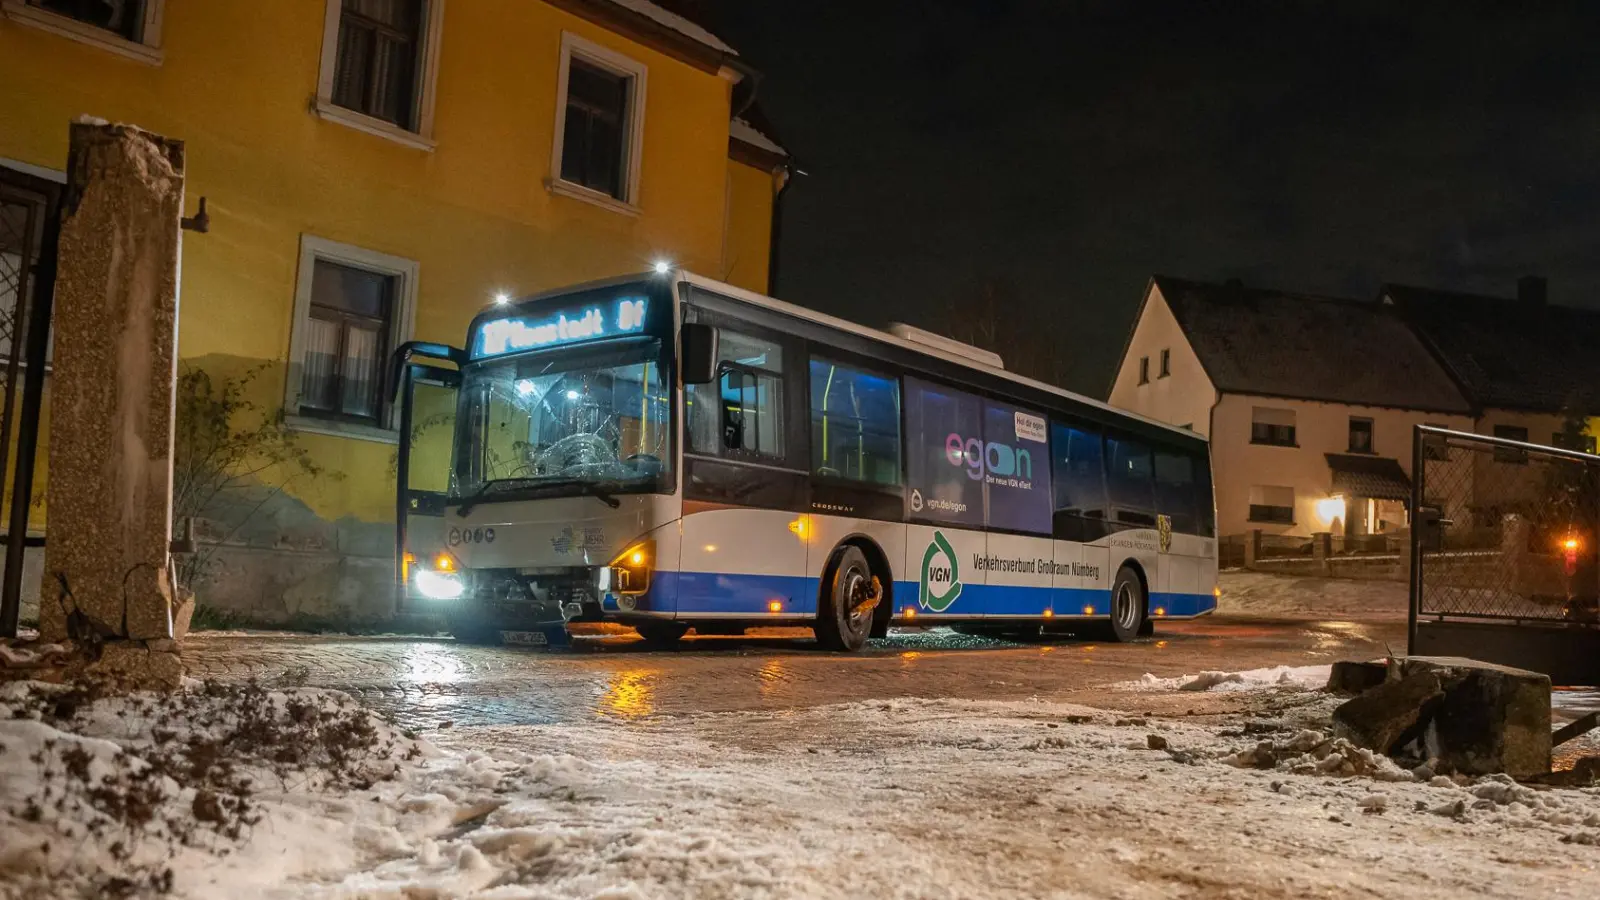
1358 475
1505 353
668 19
1274 343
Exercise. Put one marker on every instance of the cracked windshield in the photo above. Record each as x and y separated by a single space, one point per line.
592 417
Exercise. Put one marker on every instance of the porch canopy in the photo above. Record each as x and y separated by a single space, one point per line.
1377 477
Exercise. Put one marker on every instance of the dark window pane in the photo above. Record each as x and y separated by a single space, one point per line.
375 70
592 138
124 18
1361 436
1178 491
855 424
1511 454
1016 468
350 290
1080 483
1276 435
944 454
1130 481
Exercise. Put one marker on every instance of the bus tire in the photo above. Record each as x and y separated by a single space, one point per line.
1129 606
846 579
661 634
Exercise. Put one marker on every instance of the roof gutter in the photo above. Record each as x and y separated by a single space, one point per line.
745 89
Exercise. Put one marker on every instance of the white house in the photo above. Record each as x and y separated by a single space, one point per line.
1308 401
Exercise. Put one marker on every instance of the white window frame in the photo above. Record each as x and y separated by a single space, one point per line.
146 50
324 107
313 248
573 46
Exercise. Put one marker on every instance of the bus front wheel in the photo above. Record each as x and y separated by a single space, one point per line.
1128 606
844 620
661 634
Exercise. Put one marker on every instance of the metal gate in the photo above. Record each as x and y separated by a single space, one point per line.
1505 552
29 224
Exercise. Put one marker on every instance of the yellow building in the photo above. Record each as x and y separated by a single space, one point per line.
376 171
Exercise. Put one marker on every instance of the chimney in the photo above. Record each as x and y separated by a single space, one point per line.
1532 289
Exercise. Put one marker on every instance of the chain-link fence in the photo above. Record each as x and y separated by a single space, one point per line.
1505 530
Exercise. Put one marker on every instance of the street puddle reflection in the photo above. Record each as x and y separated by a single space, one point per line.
432 664
770 678
630 694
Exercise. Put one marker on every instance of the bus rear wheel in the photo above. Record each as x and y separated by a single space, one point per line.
844 620
1128 606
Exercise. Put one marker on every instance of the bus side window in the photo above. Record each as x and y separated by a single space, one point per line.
855 424
1079 480
1176 495
1130 482
742 414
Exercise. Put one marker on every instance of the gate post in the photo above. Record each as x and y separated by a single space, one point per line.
1418 491
107 563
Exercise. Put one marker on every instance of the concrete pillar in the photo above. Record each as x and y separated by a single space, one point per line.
112 391
1322 551
1252 547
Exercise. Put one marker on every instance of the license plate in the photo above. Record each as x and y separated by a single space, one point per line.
529 638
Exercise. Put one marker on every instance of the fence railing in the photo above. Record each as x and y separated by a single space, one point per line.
1504 530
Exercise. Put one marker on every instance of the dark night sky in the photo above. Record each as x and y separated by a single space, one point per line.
1064 151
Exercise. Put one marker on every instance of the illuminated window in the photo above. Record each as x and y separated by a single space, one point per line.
599 123
352 306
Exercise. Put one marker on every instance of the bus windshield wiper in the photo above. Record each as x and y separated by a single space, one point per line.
603 494
484 489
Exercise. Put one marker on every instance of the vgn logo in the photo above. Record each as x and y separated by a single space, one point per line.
941 575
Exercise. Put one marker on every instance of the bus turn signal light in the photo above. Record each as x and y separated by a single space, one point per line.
630 571
774 606
444 562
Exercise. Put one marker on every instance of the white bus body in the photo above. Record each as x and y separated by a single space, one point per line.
829 475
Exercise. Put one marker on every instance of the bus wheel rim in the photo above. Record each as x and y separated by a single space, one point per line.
854 583
1127 609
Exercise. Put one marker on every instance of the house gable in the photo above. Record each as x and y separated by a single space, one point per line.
1184 395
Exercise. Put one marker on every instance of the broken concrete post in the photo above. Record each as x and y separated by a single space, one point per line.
1491 719
112 392
1473 717
1350 677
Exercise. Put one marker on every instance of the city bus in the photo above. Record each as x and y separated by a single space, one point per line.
670 453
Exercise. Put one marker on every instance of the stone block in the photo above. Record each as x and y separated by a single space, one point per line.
1380 717
1352 677
1491 719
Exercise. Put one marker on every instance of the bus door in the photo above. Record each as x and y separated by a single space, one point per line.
426 396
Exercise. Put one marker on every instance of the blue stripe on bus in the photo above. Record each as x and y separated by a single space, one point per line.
750 595
1183 605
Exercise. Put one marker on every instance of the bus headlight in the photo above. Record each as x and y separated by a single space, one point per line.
440 578
440 585
630 571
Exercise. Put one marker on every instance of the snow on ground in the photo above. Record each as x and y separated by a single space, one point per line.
895 798
1295 677
1263 594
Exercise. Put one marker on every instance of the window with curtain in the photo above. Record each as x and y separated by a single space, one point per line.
346 340
594 133
378 62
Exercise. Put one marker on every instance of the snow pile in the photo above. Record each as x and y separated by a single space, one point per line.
1313 753
1299 678
144 792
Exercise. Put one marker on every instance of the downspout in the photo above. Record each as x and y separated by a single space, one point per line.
775 233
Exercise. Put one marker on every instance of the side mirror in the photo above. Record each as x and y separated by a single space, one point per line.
697 346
